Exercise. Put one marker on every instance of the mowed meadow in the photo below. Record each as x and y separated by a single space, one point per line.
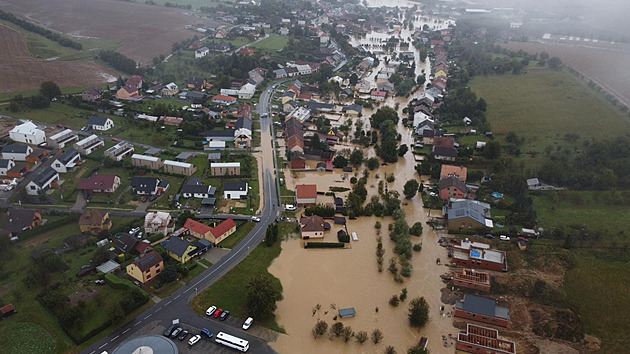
542 106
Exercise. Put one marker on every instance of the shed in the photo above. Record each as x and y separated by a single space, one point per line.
7 310
340 220
347 312
208 202
108 267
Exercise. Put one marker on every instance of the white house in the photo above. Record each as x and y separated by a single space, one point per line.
158 221
201 52
89 144
27 133
235 190
247 91
6 166
304 69
100 123
42 182
66 161
16 152
300 113
170 89
62 139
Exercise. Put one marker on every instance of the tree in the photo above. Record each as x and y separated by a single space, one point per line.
492 150
377 336
418 312
383 114
394 300
262 296
340 161
361 337
555 63
354 78
373 163
319 329
49 90
356 157
416 229
390 350
403 294
336 328
411 188
402 150
389 145
169 274
347 334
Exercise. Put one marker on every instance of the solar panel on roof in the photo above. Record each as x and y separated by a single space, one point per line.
146 260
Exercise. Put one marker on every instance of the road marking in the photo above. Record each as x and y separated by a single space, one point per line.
127 330
113 339
135 324
176 297
148 316
166 304
93 352
102 346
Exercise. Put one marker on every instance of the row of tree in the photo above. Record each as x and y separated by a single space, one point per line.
53 36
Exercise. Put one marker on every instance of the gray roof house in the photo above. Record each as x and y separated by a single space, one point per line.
177 246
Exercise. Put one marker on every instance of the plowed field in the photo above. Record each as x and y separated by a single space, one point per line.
20 71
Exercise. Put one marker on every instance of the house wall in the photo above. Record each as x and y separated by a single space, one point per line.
478 264
306 201
224 236
185 259
471 285
242 143
234 194
61 168
312 234
452 192
15 156
107 126
5 171
153 165
495 321
37 137
180 170
33 189
148 275
466 223
444 158
225 171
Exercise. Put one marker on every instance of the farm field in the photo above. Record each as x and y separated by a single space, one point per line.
141 40
542 106
20 71
613 75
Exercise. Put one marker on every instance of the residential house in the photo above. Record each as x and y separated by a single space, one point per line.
92 94
180 168
67 161
16 152
146 267
100 123
460 172
95 221
302 114
223 99
244 111
306 194
6 166
170 90
196 83
27 133
213 234
225 169
288 96
19 220
313 227
247 91
119 151
127 93
144 161
158 221
316 106
46 179
444 141
352 110
444 153
453 187
180 249
246 51
280 73
469 215
235 190
148 185
219 135
194 188
135 81
482 309
214 157
472 279
295 143
89 144
171 120
387 87
478 255
10 169
202 52
243 133
99 184
363 86
62 139
478 339
378 95
184 156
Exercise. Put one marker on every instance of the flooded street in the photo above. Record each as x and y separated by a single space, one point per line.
334 279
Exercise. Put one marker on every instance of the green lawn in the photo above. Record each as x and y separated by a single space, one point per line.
543 106
271 43
591 209
598 288
230 292
18 337
242 229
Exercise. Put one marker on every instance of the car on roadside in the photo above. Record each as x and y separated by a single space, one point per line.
210 310
504 238
248 323
490 236
206 333
183 335
255 219
176 332
194 339
224 315
169 331
217 313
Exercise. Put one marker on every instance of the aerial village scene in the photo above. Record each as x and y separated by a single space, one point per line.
293 177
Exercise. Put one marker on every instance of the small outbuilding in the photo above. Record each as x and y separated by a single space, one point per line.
7 310
347 312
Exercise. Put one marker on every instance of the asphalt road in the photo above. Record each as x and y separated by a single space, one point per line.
176 306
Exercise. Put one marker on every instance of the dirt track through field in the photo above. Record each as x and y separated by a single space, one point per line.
145 31
20 71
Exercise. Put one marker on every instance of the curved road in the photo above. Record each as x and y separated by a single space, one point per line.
176 306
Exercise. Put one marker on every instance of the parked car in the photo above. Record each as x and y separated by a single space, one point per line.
504 238
145 198
224 315
153 198
194 339
168 331
206 332
255 219
217 313
183 335
490 236
248 323
210 310
290 207
176 332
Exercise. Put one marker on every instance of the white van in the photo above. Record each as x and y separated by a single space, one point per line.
290 207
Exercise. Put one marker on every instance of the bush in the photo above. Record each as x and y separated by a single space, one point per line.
324 245
320 329
416 229
49 226
417 247
336 328
320 210
393 301
345 238
418 312
361 337
377 336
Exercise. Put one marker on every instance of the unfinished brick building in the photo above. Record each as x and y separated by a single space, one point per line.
472 279
483 340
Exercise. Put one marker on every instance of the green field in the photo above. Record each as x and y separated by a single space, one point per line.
598 288
591 209
230 292
242 229
19 338
271 43
543 106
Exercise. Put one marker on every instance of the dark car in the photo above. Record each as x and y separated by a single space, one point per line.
490 236
153 197
224 315
168 331
176 332
183 335
206 333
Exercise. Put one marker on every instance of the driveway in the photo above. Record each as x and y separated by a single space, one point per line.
215 254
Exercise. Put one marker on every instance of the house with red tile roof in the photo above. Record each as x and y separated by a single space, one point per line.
306 194
378 95
460 172
99 184
213 234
